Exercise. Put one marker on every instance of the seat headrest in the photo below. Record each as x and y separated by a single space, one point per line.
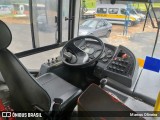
5 36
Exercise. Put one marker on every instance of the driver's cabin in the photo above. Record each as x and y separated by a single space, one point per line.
79 59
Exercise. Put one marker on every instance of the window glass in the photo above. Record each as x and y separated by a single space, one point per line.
102 10
31 63
90 23
65 16
100 24
123 11
128 32
105 22
157 50
16 16
157 47
113 10
45 13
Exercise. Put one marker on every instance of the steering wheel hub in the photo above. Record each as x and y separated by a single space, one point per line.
73 53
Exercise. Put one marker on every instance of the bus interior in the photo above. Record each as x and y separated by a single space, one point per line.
59 59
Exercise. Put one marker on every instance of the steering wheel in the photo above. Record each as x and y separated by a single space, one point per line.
73 55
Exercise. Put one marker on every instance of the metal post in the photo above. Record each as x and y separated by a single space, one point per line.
146 15
31 23
35 24
150 18
154 13
156 38
59 22
71 19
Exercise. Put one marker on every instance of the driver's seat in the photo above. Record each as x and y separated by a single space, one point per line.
27 91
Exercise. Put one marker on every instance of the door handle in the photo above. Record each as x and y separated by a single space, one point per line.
56 19
68 18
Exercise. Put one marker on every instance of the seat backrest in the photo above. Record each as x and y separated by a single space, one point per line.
24 89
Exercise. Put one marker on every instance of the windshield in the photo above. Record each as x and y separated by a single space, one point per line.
134 32
132 11
90 23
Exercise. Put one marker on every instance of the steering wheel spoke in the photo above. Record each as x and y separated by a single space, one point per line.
82 58
79 56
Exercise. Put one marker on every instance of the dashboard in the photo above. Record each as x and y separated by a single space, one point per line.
117 63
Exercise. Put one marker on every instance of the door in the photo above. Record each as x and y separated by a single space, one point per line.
50 26
100 29
65 19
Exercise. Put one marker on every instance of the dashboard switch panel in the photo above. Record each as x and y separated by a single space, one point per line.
122 67
50 64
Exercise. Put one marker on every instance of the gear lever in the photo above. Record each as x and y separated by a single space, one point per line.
103 82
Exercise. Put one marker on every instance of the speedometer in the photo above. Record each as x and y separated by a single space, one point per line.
96 54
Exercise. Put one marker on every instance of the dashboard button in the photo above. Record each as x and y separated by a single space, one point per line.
121 71
126 62
114 68
105 60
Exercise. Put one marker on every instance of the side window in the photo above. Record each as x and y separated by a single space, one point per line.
105 22
123 11
100 24
113 10
102 10
17 16
18 21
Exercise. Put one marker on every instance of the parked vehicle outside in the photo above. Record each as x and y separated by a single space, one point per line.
45 23
96 26
143 16
117 13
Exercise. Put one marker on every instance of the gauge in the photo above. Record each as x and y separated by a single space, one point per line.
96 54
109 54
105 59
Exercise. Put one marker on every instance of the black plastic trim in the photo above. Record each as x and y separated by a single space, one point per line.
39 50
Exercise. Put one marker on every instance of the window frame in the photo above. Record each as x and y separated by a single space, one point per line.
59 43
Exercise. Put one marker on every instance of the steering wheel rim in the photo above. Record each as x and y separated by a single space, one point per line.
76 39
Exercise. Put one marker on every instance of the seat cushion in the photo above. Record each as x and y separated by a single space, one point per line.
56 87
148 86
